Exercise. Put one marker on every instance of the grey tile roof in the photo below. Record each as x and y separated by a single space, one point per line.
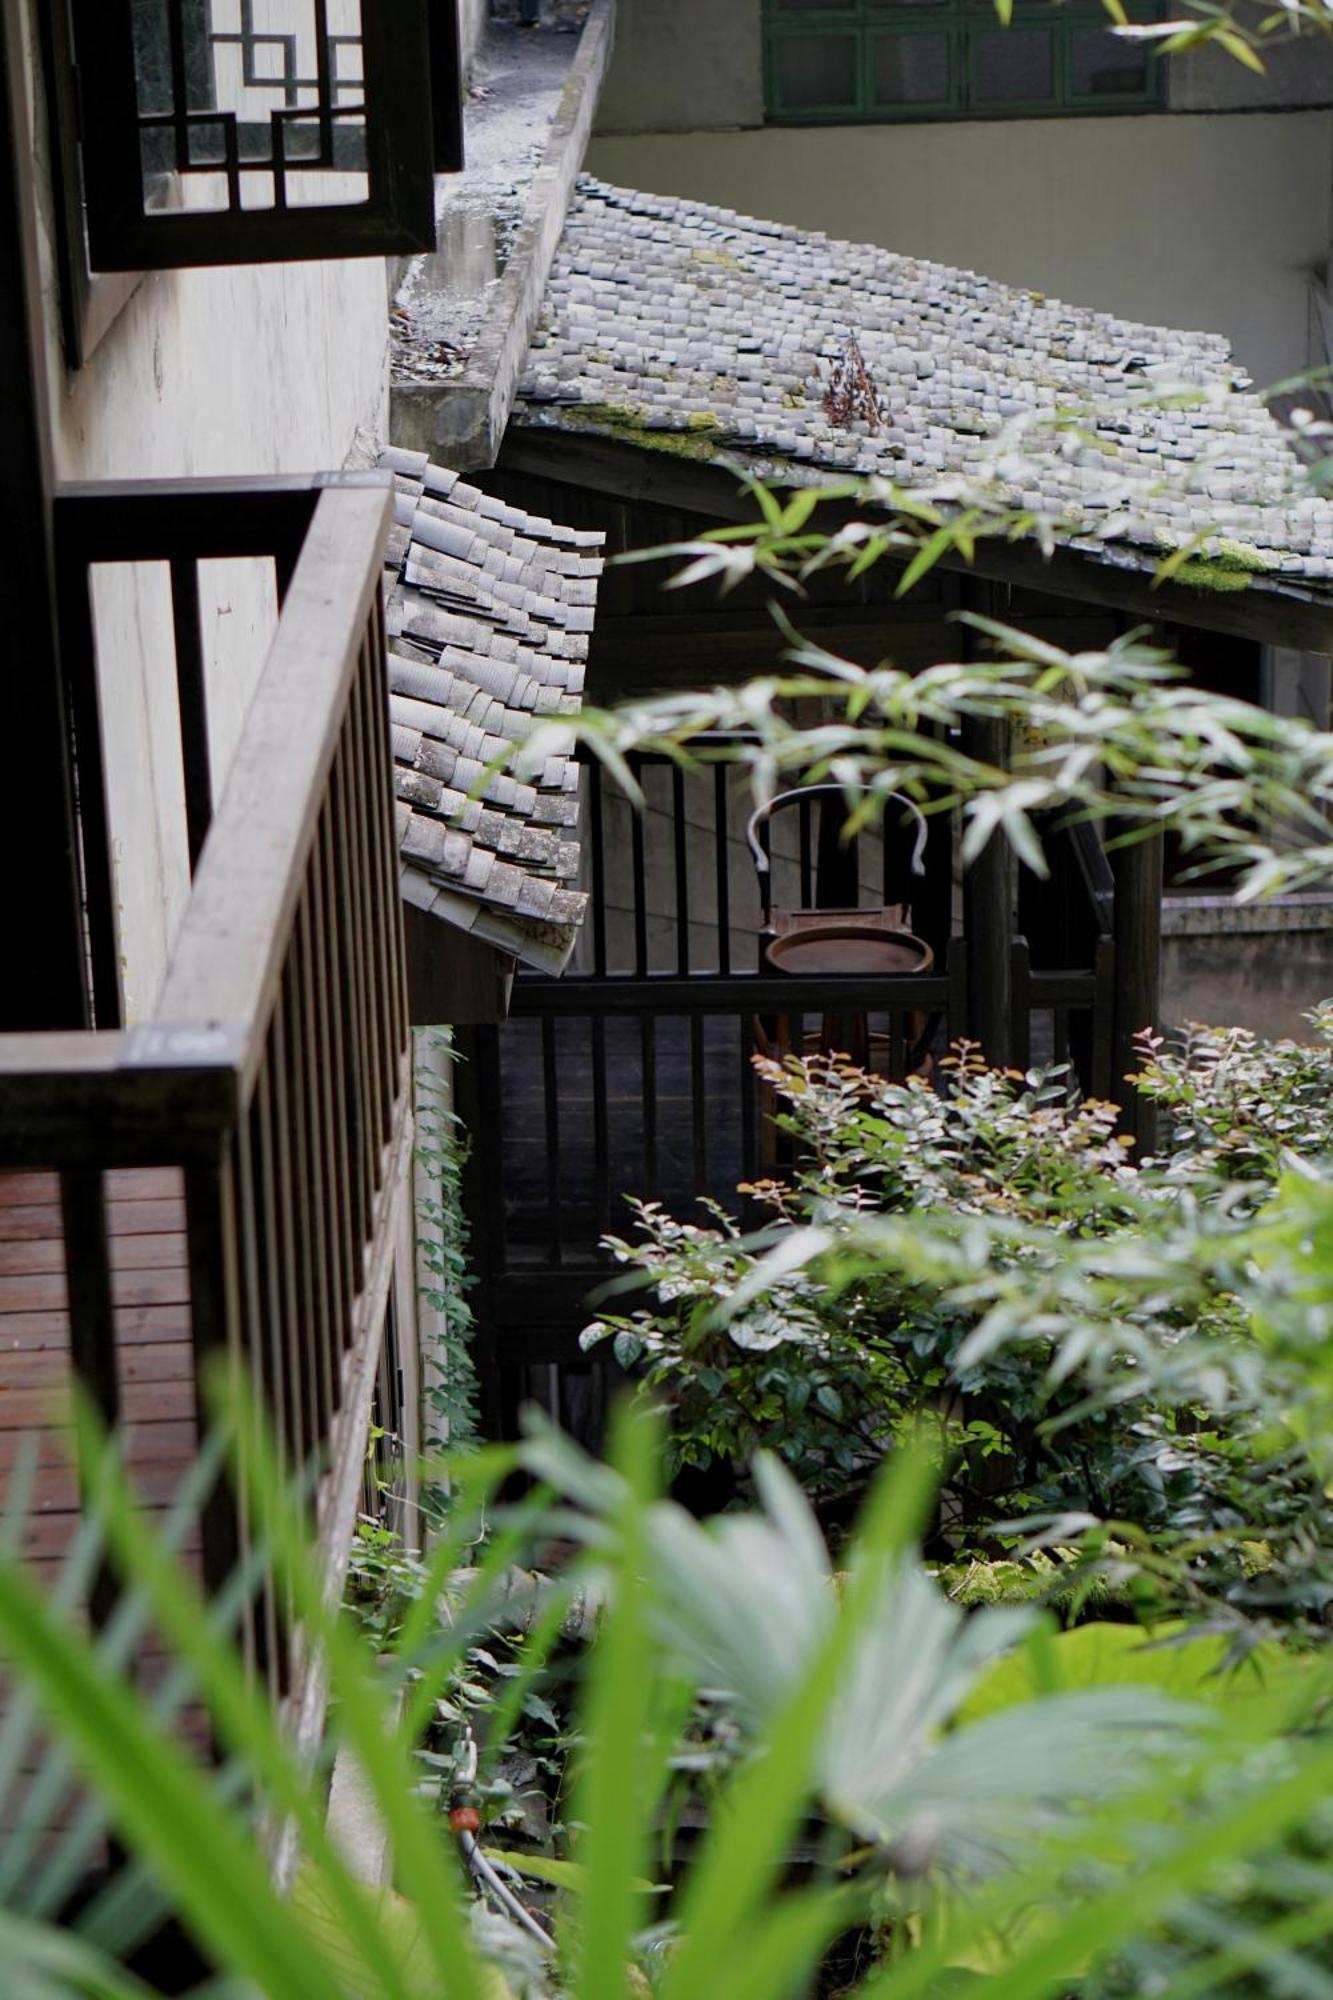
489 611
692 328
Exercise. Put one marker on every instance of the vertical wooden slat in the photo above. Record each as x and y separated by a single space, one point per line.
956 970
319 1391
92 1328
596 835
747 1098
211 1248
554 1190
1137 866
312 1034
382 888
722 862
394 976
897 1048
680 833
639 880
807 871
347 971
1103 1010
303 1415
192 704
988 902
648 1098
1020 988
78 647
600 1139
331 985
261 1224
368 958
699 1104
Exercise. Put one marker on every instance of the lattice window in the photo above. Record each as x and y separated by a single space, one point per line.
246 131
849 61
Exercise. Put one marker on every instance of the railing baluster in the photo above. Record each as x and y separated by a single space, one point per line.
639 879
211 1248
192 703
680 830
368 958
312 1034
699 1103
554 1191
1100 1082
350 953
722 858
302 1416
78 649
90 1307
393 978
596 835
747 1095
1020 983
600 1145
648 1097
320 1392
332 989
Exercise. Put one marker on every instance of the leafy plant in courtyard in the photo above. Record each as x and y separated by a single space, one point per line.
887 1786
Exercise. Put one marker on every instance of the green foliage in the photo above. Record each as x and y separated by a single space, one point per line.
828 1376
442 1246
1060 1837
1133 1359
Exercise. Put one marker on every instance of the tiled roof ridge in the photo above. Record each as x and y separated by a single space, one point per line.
488 611
685 326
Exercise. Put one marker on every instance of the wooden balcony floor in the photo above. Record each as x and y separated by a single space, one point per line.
146 1217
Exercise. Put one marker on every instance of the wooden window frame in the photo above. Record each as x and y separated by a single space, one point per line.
964 21
106 234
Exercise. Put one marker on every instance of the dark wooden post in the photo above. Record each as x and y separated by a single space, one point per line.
44 984
988 914
1138 967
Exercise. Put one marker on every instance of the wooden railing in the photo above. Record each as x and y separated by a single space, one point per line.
633 1074
273 1074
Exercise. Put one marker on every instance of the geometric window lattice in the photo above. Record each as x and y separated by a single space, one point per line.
850 61
245 131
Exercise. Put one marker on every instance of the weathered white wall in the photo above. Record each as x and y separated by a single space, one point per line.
246 370
1211 222
696 65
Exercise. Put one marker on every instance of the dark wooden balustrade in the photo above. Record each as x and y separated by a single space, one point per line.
226 1182
633 1074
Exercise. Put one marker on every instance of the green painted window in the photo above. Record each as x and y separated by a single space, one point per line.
835 61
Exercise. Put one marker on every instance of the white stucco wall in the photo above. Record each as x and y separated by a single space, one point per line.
244 370
1200 221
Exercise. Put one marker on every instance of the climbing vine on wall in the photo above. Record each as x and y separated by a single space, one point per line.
450 1385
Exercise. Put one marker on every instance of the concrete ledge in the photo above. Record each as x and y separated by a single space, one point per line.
1220 916
462 421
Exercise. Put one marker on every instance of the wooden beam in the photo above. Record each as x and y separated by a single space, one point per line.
1270 613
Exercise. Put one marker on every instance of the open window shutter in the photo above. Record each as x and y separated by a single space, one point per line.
255 131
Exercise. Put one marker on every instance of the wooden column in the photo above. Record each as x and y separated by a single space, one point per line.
43 986
988 916
1138 968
